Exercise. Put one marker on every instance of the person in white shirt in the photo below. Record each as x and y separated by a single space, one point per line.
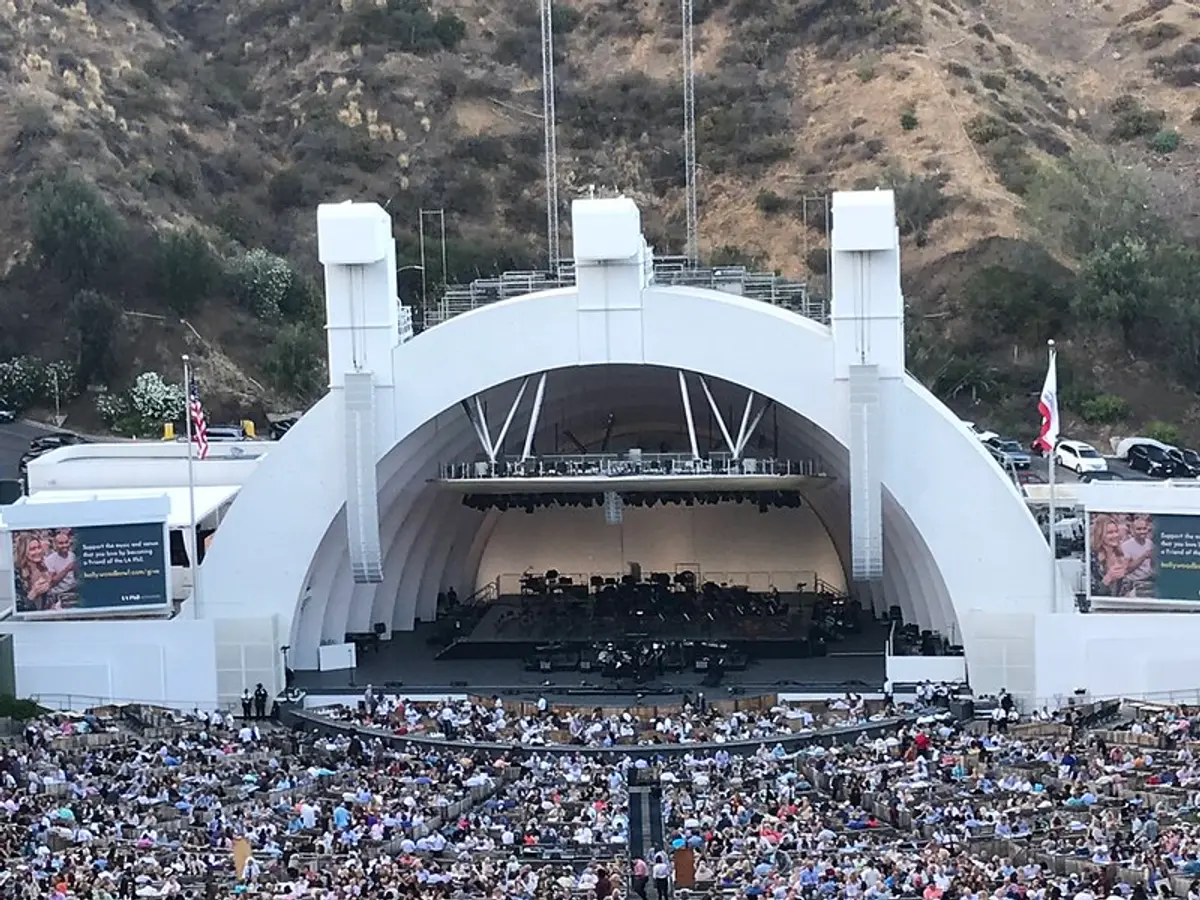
1138 549
64 587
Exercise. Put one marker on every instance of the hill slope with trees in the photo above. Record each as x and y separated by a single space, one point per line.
164 160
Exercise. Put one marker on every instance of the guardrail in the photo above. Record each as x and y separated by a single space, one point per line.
667 271
296 717
614 465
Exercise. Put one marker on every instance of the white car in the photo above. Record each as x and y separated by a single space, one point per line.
983 435
1079 457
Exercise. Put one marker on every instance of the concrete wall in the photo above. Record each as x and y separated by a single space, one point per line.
1118 655
78 664
731 542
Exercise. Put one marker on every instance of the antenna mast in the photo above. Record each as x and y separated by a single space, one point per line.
549 117
689 133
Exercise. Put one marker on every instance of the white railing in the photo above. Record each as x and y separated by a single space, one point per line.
614 465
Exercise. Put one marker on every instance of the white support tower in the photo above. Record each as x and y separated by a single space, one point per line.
689 133
549 124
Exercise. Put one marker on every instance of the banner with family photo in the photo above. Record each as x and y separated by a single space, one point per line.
1151 556
58 572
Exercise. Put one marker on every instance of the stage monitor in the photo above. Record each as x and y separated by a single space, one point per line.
94 557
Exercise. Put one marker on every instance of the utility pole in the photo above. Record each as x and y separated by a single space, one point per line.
549 125
689 133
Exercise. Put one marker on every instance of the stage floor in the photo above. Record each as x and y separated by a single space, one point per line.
856 664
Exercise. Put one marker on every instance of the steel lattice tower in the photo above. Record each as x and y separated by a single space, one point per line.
549 119
689 133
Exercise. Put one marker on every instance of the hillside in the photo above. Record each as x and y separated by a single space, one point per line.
164 160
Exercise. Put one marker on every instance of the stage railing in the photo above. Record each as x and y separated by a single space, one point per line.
799 580
618 465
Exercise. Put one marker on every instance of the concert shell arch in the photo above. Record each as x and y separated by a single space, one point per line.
961 552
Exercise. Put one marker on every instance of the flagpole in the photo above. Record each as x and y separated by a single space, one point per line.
1053 505
194 548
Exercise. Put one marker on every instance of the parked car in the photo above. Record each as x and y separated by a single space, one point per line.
1187 462
1010 454
982 434
1152 459
1106 475
1079 457
54 441
7 415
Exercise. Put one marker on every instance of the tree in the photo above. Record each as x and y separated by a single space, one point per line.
94 319
296 360
185 270
1117 284
1087 203
74 230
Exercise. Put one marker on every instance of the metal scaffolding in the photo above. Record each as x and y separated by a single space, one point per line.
692 249
549 125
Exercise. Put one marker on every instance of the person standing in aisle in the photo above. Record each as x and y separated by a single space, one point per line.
662 876
260 702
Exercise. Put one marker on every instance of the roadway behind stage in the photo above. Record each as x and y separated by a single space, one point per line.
408 662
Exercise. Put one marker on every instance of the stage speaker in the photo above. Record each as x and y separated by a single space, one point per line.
963 709
645 821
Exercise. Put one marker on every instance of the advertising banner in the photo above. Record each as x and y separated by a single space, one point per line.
60 572
1154 556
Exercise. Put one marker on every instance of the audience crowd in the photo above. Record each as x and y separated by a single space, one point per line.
925 807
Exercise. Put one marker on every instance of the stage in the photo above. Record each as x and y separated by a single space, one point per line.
409 662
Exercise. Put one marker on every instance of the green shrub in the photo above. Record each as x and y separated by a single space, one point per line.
770 203
993 82
920 201
1162 431
908 120
1132 120
295 361
185 270
289 189
1165 142
93 320
75 232
1103 409
407 26
983 129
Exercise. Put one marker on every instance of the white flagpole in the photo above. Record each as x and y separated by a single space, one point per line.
193 543
1053 506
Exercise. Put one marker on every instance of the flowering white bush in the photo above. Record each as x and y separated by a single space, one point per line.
21 381
154 402
113 408
144 408
261 281
60 376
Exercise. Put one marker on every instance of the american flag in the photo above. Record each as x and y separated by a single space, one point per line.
199 423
